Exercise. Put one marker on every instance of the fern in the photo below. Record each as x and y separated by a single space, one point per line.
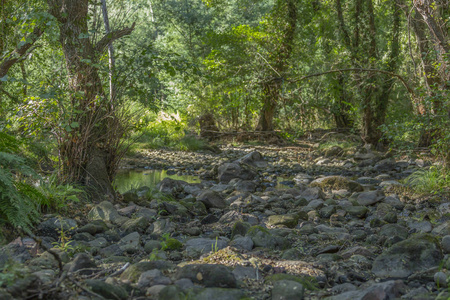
18 197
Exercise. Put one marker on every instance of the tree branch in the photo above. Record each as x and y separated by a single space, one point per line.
357 70
114 35
20 51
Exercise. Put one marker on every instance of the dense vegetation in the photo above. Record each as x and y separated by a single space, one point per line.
82 82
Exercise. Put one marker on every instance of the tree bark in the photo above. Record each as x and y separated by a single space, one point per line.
87 151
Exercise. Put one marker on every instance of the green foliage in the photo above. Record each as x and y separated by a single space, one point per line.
164 130
64 242
168 243
57 195
11 272
18 196
434 180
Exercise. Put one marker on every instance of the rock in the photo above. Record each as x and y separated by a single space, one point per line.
212 199
171 186
442 229
139 224
229 171
337 183
391 230
440 278
418 253
171 292
105 211
446 244
130 243
133 272
356 211
384 165
241 273
52 227
130 196
289 220
44 261
378 291
208 275
152 277
370 198
108 291
154 291
302 178
203 245
152 245
312 193
219 294
83 264
254 159
420 227
163 226
287 289
242 242
94 227
334 151
261 237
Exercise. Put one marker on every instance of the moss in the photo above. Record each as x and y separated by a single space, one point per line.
308 282
256 228
173 244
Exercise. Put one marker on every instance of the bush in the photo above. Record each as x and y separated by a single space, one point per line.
434 180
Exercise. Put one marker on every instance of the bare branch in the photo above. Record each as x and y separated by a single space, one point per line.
114 35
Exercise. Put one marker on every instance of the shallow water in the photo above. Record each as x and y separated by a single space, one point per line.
132 179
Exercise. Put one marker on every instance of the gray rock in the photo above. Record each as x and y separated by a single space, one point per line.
163 226
337 183
171 292
312 193
108 291
446 244
171 186
99 243
262 237
418 253
105 211
133 272
229 171
378 291
152 245
204 245
218 294
52 227
152 277
139 224
287 289
289 220
356 211
83 264
303 178
254 159
242 242
370 198
241 273
391 230
212 199
208 275
94 227
130 243
440 278
442 229
421 227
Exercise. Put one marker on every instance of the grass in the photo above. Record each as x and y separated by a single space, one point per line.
346 145
432 181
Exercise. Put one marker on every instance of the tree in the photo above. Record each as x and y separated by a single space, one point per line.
89 148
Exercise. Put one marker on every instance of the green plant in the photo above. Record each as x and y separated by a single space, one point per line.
57 195
214 247
64 242
434 180
11 272
168 243
18 196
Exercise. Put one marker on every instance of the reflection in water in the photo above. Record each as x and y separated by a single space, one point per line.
132 179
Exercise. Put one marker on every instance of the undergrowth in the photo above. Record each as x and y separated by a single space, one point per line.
432 181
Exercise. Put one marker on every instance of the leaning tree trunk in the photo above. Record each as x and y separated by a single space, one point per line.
87 150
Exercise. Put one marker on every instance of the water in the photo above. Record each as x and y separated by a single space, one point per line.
131 179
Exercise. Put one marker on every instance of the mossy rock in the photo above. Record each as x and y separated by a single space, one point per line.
240 228
289 220
133 272
337 183
308 282
262 237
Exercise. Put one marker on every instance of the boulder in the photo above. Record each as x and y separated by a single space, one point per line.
208 275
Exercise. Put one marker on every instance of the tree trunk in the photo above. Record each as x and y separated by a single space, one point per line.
87 149
271 96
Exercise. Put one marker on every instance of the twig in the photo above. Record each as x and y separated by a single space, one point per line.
85 289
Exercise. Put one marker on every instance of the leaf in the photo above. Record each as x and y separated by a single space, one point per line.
74 125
